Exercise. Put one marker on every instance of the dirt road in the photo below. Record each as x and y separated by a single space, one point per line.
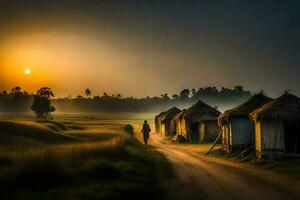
202 177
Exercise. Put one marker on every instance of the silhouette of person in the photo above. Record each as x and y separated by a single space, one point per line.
146 132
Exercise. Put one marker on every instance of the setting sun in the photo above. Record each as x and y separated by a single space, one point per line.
27 71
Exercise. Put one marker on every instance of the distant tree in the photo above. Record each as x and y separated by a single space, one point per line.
184 94
25 93
194 92
45 92
239 88
20 101
79 97
165 96
88 92
41 103
119 96
175 96
105 94
261 92
16 90
224 91
4 92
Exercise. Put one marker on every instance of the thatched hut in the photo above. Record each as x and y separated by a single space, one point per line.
162 121
175 123
277 127
199 123
157 122
167 119
237 128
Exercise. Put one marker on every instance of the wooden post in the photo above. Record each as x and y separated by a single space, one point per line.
214 144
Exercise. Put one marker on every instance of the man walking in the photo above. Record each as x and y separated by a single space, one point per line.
146 132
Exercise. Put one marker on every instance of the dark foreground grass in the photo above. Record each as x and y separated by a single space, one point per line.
116 168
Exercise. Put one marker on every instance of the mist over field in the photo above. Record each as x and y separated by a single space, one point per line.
20 101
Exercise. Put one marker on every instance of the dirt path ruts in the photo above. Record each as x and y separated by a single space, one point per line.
201 177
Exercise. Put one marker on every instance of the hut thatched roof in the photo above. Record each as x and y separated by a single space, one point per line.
160 115
179 115
168 115
285 107
201 112
244 109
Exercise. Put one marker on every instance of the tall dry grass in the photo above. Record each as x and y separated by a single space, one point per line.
98 159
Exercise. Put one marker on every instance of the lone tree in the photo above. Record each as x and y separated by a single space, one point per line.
165 97
16 90
184 94
119 96
88 92
239 88
175 96
41 103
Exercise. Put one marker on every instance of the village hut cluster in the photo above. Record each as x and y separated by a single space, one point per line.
197 124
269 127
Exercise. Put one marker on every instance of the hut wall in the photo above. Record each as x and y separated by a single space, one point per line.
272 139
185 128
201 131
242 131
258 139
226 137
162 130
156 125
178 127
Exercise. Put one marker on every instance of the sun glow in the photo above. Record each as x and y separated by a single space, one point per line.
27 71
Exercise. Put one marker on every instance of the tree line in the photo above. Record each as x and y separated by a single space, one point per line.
17 100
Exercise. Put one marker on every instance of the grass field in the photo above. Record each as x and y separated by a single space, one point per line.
76 159
83 157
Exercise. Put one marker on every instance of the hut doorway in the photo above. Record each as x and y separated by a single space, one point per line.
195 133
174 129
211 131
291 137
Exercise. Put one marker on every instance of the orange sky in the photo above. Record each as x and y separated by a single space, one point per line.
69 63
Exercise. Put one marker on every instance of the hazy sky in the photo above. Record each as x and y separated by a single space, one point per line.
140 48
